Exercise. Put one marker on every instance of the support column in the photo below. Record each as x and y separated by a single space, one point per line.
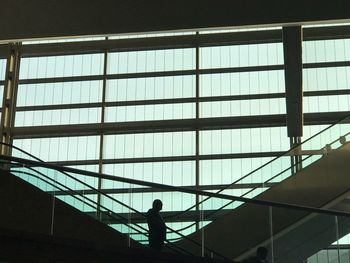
293 72
10 96
197 180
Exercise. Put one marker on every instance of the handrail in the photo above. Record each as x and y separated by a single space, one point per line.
106 210
267 163
179 189
100 192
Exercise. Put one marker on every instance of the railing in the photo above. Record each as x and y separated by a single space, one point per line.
308 152
22 166
278 169
52 179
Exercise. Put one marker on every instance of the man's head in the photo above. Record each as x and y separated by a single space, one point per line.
157 205
261 253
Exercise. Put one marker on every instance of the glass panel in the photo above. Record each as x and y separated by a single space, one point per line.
1 94
149 145
150 112
326 50
58 117
62 149
242 83
2 68
241 55
59 93
242 108
244 140
327 103
61 66
226 171
171 173
150 88
335 78
151 61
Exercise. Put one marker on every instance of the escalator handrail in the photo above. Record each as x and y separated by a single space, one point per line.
41 163
180 189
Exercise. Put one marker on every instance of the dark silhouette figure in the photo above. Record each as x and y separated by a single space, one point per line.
156 226
261 256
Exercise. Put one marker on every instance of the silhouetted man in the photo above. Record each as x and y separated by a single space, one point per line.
156 226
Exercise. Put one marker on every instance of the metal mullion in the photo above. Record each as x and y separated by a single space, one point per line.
215 187
326 33
61 79
258 121
161 101
241 69
326 93
10 95
2 82
197 164
154 43
153 74
326 64
173 158
150 126
60 106
103 107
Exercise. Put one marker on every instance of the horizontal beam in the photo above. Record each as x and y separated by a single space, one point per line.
105 17
154 43
178 100
172 158
149 126
172 125
152 190
175 42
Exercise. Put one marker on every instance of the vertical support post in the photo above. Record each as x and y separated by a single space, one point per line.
10 96
100 165
293 72
197 134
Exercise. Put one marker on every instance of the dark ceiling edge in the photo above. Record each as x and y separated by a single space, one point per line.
66 18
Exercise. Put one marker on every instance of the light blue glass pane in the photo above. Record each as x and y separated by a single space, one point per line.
244 140
59 93
327 103
79 204
326 78
62 149
92 182
241 55
1 93
242 108
58 117
326 50
2 68
149 145
151 61
172 201
227 171
172 173
243 83
150 88
61 66
150 112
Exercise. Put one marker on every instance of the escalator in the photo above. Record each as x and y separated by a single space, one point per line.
278 213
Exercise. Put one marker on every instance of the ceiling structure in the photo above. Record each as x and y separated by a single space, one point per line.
23 19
